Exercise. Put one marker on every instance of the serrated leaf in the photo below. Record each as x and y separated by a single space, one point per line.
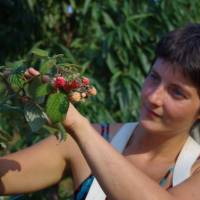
43 90
46 65
5 108
40 52
58 56
38 89
15 64
35 117
68 54
56 106
16 80
32 87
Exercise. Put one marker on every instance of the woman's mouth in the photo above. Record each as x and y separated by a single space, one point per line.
151 112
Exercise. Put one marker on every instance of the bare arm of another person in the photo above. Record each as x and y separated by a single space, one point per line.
42 164
34 168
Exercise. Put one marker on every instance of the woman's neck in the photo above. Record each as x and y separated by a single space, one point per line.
155 146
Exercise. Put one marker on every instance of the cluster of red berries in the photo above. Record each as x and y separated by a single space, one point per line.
78 89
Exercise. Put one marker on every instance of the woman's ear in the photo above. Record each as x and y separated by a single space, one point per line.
197 121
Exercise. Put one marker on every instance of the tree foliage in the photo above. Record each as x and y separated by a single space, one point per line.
112 40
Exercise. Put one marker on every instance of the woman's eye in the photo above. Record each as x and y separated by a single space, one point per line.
177 93
153 76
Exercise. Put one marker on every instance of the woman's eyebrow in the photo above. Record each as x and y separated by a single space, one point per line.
155 72
180 86
174 84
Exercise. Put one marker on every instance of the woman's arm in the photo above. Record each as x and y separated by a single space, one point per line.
120 179
34 168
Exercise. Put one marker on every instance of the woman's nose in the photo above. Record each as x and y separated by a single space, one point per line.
157 96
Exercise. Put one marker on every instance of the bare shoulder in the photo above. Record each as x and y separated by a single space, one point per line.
195 167
189 189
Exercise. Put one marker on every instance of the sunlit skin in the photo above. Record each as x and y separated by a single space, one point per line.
169 106
166 117
172 98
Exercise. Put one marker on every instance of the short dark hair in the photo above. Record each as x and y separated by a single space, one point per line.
182 47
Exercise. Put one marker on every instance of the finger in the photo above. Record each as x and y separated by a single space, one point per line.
33 72
27 74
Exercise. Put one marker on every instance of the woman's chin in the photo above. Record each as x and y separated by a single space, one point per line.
150 126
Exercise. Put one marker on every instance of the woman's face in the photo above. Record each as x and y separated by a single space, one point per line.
170 102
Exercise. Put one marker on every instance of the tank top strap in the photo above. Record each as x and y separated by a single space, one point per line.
119 142
122 137
188 155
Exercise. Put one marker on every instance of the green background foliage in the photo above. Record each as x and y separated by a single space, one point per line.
113 41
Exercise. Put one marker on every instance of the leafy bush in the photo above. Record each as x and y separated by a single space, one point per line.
113 41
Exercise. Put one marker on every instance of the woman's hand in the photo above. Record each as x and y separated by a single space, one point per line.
31 72
73 119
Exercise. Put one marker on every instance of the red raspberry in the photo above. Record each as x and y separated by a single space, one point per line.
85 81
74 84
59 82
67 86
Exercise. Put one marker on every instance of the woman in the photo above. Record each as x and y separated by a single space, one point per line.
170 106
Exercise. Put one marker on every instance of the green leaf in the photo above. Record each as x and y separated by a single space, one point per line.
56 106
37 89
111 63
128 89
122 55
68 54
73 3
139 16
6 108
40 52
35 117
3 145
46 65
108 20
113 5
15 64
86 6
43 90
62 132
16 80
143 60
115 79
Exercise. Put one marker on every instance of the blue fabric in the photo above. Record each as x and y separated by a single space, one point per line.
18 197
105 131
82 191
163 181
